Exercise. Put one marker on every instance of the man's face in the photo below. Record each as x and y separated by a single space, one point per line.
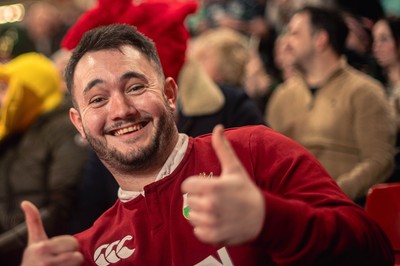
300 39
125 109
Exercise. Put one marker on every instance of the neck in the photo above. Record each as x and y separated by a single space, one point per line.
321 68
135 181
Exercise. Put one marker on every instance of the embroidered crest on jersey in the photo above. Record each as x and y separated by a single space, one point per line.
114 252
186 208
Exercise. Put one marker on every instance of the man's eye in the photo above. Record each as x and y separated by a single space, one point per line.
136 88
96 100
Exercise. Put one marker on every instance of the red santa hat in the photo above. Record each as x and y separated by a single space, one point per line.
161 21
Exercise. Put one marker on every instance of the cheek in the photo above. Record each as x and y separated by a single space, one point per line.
388 52
393 51
93 120
155 109
153 102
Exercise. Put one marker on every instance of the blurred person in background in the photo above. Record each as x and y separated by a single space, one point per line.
223 54
386 48
283 59
211 84
359 46
45 26
337 112
257 81
14 41
276 17
283 69
359 18
40 159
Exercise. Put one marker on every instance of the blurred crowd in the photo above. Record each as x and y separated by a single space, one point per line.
333 88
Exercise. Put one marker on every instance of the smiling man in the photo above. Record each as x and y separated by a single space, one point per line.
125 106
245 196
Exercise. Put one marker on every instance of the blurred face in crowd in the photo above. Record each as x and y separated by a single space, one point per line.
384 47
124 108
283 59
300 39
42 20
207 57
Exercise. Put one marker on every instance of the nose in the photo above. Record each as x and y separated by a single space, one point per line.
121 106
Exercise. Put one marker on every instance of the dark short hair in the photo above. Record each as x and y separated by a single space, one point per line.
331 21
110 37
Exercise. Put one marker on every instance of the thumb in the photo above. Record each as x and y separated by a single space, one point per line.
34 223
225 153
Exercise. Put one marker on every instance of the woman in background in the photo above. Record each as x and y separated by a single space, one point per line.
386 49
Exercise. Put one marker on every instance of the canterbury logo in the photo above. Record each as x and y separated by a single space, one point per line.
114 252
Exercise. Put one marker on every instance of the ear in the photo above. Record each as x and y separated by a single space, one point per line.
171 92
76 119
322 41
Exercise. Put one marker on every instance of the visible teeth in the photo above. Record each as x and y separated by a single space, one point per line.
128 130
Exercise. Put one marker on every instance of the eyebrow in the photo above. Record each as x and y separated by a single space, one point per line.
91 84
126 76
132 74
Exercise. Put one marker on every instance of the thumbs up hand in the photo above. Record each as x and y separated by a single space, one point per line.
60 250
227 210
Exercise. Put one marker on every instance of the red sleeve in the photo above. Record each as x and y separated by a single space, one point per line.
309 220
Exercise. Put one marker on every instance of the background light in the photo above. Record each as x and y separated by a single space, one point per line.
11 13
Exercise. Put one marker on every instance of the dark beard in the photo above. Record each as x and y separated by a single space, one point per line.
143 158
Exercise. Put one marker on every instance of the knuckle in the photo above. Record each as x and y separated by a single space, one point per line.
210 205
42 248
79 257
